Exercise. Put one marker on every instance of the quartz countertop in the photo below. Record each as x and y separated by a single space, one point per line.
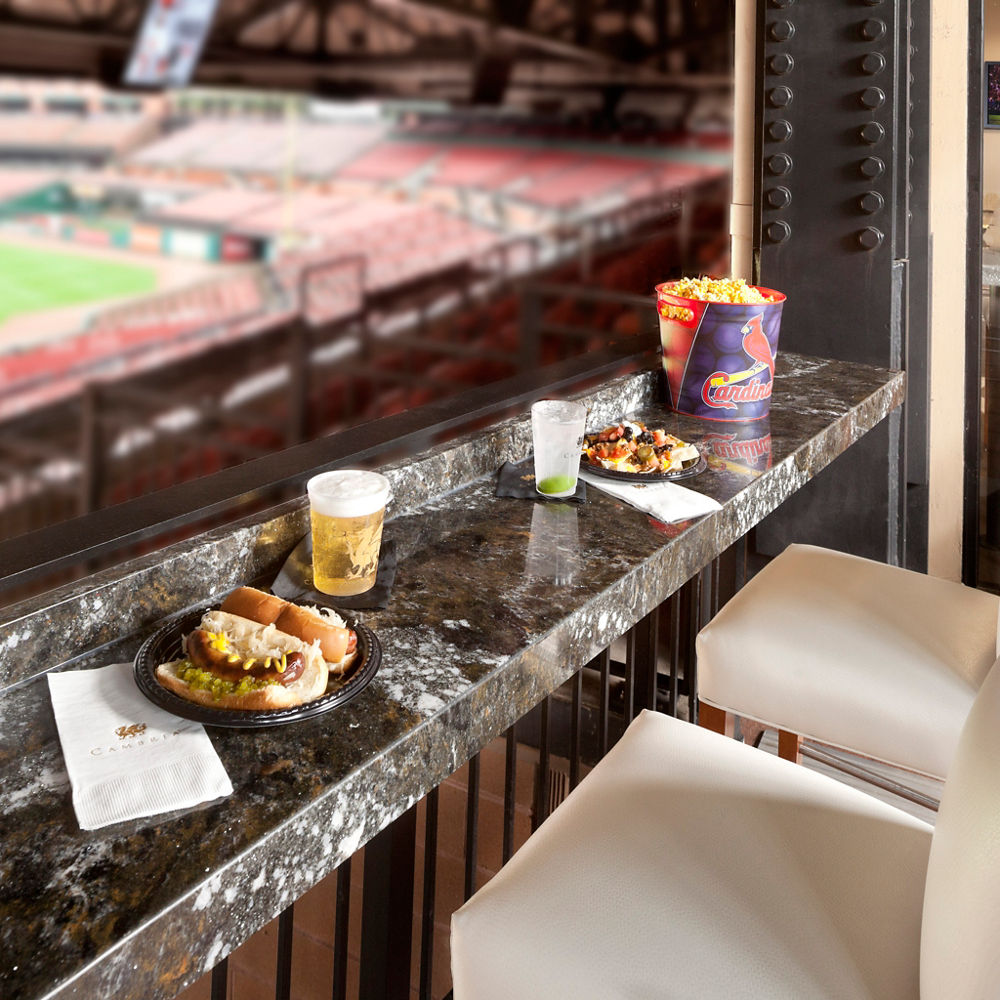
496 602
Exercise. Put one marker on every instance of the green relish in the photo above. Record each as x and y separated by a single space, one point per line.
207 681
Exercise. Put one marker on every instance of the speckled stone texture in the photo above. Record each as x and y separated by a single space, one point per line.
991 267
496 602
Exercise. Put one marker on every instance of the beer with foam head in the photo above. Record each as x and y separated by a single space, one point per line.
346 510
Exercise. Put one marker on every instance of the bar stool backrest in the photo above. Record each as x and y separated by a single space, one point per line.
960 933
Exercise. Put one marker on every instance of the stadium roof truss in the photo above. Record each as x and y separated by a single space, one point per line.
459 50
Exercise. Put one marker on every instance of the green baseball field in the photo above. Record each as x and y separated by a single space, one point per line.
32 279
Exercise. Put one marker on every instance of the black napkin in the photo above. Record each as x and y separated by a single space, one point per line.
295 580
517 479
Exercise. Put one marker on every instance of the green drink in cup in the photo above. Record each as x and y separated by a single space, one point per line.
557 428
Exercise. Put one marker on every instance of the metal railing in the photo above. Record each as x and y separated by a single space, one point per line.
389 940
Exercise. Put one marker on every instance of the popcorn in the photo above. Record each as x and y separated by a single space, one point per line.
732 290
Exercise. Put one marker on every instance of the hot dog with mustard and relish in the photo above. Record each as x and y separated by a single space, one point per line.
258 651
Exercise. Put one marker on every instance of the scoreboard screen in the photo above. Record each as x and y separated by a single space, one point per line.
169 43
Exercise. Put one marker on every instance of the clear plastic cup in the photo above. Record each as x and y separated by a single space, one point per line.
557 428
346 509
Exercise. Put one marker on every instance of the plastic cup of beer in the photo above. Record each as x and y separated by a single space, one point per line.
557 428
346 509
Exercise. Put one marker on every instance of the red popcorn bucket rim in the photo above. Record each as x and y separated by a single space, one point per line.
665 289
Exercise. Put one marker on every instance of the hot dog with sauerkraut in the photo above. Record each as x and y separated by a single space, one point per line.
258 651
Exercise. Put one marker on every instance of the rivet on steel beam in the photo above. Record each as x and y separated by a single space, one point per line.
873 63
781 31
780 163
780 97
779 197
869 238
780 130
872 97
872 167
872 133
871 202
778 232
781 63
872 29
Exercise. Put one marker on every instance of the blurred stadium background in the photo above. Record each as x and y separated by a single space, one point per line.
192 278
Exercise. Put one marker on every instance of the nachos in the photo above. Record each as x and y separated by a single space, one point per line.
632 447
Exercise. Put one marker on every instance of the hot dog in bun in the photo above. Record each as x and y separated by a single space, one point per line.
260 652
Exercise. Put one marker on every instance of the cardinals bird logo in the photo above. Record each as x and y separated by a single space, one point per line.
723 390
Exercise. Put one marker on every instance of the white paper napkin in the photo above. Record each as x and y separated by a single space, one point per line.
667 502
125 756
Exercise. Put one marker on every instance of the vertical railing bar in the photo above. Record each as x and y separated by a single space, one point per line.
220 980
731 571
701 612
429 895
605 658
510 794
471 827
574 732
675 650
283 973
630 653
542 785
342 913
690 674
387 910
651 625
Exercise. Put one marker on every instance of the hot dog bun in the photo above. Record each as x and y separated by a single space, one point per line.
249 639
311 625
258 606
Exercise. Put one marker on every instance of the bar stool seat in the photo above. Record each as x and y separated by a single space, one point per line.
851 653
688 865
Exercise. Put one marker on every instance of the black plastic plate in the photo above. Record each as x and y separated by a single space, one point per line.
166 644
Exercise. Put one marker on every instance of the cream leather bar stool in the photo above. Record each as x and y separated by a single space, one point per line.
852 653
689 865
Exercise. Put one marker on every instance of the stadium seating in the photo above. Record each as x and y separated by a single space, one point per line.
36 129
59 135
586 179
14 183
219 206
361 213
400 242
302 211
117 133
152 326
311 149
390 161
176 149
475 166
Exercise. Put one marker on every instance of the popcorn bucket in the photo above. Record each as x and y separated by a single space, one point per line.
718 357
